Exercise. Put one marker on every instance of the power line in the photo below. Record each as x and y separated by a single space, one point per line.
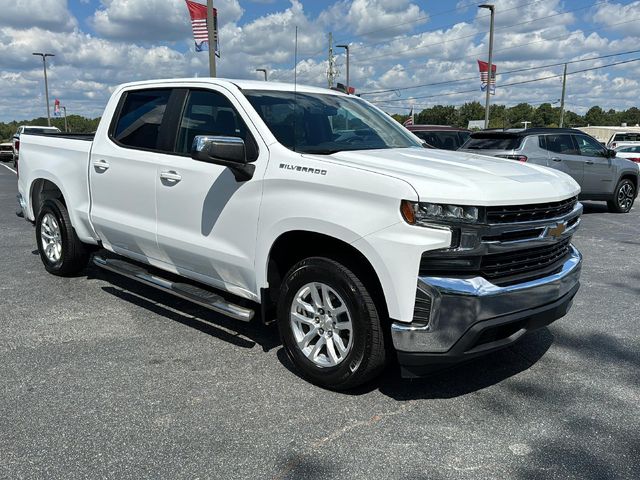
522 82
477 33
442 26
475 55
316 53
445 82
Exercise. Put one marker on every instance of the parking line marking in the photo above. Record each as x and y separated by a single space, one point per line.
7 166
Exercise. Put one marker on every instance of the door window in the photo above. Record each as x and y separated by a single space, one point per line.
140 118
211 113
589 147
561 144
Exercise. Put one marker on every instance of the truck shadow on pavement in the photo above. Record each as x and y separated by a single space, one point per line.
453 382
245 335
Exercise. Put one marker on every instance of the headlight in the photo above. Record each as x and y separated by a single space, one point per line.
424 213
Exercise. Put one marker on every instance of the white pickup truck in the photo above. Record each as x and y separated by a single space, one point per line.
314 209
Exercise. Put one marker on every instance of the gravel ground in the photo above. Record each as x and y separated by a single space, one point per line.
103 378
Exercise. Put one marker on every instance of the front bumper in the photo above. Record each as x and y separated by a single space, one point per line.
470 317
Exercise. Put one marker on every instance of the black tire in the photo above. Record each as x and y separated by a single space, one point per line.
74 254
623 197
367 356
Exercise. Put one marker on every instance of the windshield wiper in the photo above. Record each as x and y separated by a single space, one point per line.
321 151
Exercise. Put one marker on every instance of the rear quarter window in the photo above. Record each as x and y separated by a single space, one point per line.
493 142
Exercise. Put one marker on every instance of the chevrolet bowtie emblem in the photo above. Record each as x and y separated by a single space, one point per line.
557 231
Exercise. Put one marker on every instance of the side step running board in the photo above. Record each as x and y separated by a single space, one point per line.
186 291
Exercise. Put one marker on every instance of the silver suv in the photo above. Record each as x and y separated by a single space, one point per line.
601 175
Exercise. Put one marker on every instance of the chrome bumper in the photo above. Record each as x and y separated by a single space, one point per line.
458 304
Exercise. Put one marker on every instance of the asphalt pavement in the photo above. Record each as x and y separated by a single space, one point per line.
101 377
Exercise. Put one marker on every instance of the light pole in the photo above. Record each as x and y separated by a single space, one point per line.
211 33
564 89
66 128
346 47
46 84
263 70
491 8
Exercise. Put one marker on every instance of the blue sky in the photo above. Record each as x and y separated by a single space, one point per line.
395 44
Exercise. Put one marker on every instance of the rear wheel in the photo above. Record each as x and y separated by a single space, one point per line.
624 196
329 324
61 252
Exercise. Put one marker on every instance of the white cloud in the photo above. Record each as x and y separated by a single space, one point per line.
609 14
154 20
138 39
48 14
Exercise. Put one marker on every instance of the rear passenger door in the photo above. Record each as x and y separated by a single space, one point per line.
598 166
122 174
564 155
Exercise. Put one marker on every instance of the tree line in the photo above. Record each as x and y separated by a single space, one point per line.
501 116
75 123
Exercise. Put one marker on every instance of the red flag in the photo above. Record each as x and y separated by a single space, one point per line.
198 14
56 108
484 73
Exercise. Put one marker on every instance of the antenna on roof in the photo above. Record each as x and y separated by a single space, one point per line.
295 88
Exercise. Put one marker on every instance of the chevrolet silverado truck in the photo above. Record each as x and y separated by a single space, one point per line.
313 209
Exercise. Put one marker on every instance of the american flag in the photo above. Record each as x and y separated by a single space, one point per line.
409 121
198 13
484 73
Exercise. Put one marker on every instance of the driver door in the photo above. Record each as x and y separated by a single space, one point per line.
206 220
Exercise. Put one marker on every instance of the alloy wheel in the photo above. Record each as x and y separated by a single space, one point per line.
321 324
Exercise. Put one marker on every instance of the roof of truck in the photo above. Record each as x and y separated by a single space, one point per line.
241 84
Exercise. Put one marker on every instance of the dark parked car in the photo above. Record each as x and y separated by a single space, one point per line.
601 175
440 136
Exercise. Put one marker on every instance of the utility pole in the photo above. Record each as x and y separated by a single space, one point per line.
212 34
346 47
564 88
46 83
263 70
492 8
526 124
332 71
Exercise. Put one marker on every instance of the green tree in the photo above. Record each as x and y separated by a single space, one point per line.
469 111
594 116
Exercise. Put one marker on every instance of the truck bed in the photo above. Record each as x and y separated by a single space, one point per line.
62 159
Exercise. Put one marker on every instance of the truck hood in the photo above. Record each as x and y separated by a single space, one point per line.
465 178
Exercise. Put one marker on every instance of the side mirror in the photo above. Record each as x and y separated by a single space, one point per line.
227 151
611 153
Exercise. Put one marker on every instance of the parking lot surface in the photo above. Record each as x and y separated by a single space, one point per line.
101 377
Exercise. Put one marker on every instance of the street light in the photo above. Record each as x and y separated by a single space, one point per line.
46 85
492 8
263 70
346 47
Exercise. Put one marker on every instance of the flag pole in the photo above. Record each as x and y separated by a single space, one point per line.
212 39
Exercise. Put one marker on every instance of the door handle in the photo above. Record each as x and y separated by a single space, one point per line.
171 176
556 159
101 164
589 162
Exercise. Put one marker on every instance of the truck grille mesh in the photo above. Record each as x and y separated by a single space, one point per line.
500 266
527 213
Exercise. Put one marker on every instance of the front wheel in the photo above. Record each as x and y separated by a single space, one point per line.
329 324
61 251
624 196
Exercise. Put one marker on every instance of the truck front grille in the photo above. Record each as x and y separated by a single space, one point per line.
528 213
499 268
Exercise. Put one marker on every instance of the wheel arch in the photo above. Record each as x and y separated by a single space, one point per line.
294 245
43 189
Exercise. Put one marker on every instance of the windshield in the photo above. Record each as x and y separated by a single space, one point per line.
326 123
